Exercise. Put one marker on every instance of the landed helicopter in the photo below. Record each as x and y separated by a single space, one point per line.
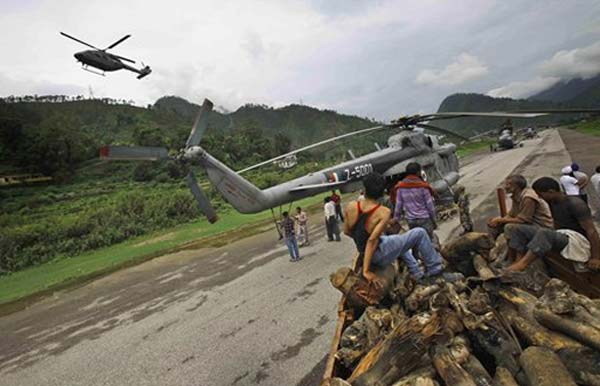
105 61
411 144
506 138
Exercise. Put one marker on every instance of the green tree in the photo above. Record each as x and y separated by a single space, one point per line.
57 145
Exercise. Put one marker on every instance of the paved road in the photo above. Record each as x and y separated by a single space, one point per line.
237 315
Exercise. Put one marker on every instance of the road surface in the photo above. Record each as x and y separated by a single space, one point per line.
239 315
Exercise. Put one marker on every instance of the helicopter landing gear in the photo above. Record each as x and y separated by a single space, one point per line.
92 71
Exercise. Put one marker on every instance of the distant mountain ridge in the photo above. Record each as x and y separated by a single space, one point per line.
301 124
576 93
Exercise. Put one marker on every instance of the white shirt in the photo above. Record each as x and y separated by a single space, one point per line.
595 180
569 185
329 209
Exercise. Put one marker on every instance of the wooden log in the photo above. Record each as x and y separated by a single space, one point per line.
482 268
577 330
459 251
582 362
561 299
359 292
498 344
420 377
400 353
544 368
477 371
449 370
533 333
499 251
503 377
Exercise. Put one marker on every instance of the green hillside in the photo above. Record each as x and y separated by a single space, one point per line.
92 204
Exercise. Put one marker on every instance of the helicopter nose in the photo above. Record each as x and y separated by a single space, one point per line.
78 56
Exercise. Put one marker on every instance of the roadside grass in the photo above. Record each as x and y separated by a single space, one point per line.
472 147
62 272
590 127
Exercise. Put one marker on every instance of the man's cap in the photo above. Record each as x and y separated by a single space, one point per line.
567 170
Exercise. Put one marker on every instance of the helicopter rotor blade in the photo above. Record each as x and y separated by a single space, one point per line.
440 130
316 144
140 153
503 114
79 41
122 58
117 42
200 124
203 202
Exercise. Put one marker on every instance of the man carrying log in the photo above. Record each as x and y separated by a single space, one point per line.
366 221
574 236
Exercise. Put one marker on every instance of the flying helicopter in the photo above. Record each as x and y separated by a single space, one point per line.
105 61
410 144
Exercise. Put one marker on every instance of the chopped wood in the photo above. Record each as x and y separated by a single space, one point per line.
503 377
482 268
477 371
449 369
577 330
544 368
397 355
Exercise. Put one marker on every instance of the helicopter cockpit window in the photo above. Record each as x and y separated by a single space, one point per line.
429 141
405 142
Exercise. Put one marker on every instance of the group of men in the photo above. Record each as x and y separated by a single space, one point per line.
295 229
575 182
544 221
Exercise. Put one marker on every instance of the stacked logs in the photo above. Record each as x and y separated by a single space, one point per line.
490 329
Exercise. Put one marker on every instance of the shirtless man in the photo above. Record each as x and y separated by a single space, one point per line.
366 222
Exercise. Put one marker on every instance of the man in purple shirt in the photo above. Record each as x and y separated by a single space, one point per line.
414 201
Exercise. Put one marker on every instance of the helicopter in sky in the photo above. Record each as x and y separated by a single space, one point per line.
105 61
410 144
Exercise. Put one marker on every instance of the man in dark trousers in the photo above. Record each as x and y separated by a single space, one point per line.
331 223
574 235
414 201
337 201
289 235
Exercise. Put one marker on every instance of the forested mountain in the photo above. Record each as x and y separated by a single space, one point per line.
576 92
54 137
301 124
561 96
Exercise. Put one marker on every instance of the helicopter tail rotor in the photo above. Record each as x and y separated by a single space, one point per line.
203 202
144 153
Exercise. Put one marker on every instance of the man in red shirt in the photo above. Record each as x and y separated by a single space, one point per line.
337 200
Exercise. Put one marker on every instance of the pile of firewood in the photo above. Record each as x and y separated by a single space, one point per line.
488 329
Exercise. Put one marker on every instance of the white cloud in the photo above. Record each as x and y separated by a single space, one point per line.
577 63
523 89
355 56
465 68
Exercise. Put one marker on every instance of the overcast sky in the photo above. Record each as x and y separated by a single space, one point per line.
373 58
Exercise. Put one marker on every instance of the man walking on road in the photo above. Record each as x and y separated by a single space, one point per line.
331 220
302 222
289 236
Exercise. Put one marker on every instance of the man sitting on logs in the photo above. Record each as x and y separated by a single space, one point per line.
574 235
366 221
527 207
